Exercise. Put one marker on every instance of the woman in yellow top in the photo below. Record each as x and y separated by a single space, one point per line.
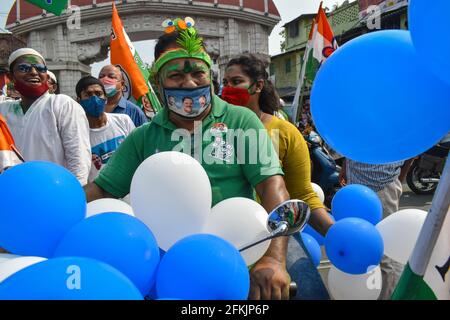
246 84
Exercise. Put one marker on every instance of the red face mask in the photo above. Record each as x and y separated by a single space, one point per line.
236 96
31 92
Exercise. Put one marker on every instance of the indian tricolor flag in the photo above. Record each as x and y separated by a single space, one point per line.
427 276
125 56
9 156
321 44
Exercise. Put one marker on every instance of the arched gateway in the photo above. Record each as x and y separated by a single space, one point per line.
229 27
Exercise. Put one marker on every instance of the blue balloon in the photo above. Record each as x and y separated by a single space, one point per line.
427 25
42 202
70 278
357 201
369 96
203 267
354 245
120 240
312 247
316 235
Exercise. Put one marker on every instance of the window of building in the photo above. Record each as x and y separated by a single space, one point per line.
288 65
272 69
293 30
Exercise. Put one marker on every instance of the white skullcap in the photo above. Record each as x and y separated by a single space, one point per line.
52 76
23 52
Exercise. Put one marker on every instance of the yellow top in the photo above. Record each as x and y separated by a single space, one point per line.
294 159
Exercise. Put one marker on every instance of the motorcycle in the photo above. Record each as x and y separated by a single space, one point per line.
324 169
424 174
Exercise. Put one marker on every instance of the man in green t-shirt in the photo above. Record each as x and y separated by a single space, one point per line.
230 142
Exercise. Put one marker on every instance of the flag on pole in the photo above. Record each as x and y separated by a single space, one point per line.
136 75
426 275
321 44
53 6
9 155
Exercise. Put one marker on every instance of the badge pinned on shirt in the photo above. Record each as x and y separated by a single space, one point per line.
218 128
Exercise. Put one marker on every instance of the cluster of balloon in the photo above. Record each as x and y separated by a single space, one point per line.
421 81
45 218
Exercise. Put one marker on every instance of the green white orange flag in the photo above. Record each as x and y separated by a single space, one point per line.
9 155
321 44
125 56
53 6
427 273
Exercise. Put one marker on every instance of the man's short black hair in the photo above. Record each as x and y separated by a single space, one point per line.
165 41
85 82
185 98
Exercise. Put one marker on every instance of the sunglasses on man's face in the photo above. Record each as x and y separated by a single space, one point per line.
26 67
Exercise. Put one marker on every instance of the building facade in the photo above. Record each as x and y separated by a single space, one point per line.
80 36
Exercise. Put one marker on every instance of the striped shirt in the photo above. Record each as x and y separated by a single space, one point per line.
374 176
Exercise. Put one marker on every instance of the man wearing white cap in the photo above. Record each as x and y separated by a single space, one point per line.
46 126
52 82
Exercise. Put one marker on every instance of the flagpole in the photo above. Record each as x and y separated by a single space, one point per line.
432 226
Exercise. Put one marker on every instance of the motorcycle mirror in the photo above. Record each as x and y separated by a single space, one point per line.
286 219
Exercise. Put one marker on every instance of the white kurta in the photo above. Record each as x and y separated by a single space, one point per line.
55 129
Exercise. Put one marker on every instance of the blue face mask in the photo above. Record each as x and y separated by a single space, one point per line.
94 106
189 103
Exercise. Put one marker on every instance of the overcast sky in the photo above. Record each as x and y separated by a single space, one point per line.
289 9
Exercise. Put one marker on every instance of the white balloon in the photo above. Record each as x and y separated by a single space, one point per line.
6 256
171 194
240 221
344 286
108 205
11 266
400 231
318 190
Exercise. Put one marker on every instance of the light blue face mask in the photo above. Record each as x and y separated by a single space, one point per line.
188 103
94 106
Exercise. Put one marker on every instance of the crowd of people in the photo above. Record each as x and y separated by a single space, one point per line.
102 138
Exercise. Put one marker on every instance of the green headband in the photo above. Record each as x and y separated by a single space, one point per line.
191 45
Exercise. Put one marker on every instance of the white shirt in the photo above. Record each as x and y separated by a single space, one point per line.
55 129
106 140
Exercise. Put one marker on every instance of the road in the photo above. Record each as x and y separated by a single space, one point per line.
411 200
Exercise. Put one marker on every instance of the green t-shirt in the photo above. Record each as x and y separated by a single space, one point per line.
231 143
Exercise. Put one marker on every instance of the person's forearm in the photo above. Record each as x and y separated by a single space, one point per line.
277 249
320 220
272 193
94 192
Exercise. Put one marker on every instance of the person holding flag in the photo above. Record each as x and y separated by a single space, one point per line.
321 44
125 57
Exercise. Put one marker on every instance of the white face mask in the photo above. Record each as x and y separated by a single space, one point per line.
111 90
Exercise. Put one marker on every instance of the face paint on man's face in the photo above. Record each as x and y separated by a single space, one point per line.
187 67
